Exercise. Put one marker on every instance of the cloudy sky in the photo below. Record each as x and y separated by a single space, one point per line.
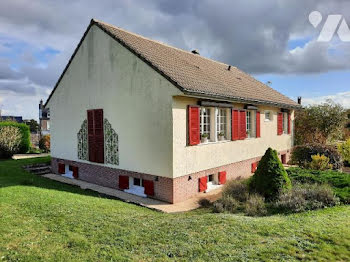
271 39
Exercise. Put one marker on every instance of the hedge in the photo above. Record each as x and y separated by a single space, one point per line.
301 155
25 132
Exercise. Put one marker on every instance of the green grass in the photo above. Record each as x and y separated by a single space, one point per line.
43 220
340 182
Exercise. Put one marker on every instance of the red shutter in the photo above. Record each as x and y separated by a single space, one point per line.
99 136
61 168
235 125
149 187
75 171
203 183
243 125
257 124
280 124
95 135
193 125
91 135
222 177
254 165
123 182
288 123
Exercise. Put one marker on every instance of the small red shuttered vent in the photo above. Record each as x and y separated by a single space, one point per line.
149 187
257 124
203 183
75 171
235 124
242 125
123 182
61 168
280 124
193 125
222 177
254 166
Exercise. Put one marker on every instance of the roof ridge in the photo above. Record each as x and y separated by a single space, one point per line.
157 41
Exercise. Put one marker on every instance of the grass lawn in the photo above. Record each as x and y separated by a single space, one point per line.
43 220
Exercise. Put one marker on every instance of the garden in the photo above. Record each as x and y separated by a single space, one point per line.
45 220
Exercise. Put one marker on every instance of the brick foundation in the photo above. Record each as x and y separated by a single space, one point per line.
165 189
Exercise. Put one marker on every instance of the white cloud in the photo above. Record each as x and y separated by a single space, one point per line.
340 98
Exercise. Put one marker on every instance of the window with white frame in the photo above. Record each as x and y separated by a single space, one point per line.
205 122
250 123
267 115
221 123
285 123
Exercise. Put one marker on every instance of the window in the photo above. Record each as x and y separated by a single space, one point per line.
251 123
205 122
137 182
285 123
221 122
267 115
210 178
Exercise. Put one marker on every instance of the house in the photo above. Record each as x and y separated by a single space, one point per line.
44 119
18 119
138 115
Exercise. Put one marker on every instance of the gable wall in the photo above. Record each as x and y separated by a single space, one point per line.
135 99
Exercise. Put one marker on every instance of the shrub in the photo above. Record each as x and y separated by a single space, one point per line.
44 143
255 206
218 207
270 176
304 197
320 162
203 202
238 189
340 182
301 155
344 150
25 135
10 141
227 203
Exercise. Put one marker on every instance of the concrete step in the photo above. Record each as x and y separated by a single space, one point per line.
38 169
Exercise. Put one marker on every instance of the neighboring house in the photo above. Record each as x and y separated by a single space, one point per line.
134 114
44 119
17 119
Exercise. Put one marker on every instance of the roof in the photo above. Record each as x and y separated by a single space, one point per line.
194 74
18 119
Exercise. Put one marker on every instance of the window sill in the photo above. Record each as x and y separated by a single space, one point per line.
214 142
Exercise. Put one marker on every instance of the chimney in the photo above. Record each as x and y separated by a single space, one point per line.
195 51
299 100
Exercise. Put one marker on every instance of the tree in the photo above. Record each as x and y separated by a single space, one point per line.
320 123
33 125
270 177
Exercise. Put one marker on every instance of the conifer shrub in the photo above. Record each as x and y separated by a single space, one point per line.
270 178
